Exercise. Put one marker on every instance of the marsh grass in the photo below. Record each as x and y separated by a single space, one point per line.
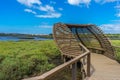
30 58
26 58
117 49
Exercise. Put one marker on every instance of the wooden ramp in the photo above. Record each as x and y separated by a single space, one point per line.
104 68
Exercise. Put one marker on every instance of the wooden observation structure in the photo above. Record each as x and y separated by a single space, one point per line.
69 36
78 43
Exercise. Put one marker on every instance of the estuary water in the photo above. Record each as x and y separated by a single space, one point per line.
10 38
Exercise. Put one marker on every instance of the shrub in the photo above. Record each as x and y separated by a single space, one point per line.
26 58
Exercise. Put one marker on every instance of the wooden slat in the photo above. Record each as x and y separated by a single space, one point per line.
97 48
72 52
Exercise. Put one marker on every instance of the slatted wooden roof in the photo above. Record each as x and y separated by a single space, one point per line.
78 25
68 37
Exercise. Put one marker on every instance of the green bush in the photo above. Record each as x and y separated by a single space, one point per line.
26 58
117 49
117 54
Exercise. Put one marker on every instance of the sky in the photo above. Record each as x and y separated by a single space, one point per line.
39 16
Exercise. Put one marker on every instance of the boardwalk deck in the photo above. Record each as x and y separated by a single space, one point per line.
104 68
76 40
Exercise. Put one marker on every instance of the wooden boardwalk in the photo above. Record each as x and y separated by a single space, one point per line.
104 68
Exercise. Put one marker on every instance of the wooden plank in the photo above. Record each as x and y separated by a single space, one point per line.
96 48
73 53
72 49
68 47
104 68
68 42
78 25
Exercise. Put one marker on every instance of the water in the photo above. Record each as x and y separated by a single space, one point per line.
10 38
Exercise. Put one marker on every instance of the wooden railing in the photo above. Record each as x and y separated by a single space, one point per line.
72 62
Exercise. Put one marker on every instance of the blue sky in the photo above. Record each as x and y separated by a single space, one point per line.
38 16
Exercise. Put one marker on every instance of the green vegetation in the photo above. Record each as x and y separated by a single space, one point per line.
115 42
27 58
117 49
30 58
26 36
118 54
113 36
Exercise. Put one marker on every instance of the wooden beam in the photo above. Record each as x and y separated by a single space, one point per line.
74 71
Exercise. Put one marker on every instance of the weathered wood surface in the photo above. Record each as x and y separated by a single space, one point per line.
73 34
104 68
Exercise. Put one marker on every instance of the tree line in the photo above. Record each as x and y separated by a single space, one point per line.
18 35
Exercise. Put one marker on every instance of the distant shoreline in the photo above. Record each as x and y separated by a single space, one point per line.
26 36
46 36
16 38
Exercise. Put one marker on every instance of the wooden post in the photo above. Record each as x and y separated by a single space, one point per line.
84 62
88 64
74 71
64 59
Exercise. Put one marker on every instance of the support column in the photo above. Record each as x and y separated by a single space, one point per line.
88 64
74 71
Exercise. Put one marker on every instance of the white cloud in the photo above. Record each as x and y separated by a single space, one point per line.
105 1
110 28
49 12
78 2
118 21
44 26
30 11
29 3
49 15
118 14
97 1
46 8
52 2
108 1
60 9
117 6
74 2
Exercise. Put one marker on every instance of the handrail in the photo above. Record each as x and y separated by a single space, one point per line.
84 47
72 62
101 49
